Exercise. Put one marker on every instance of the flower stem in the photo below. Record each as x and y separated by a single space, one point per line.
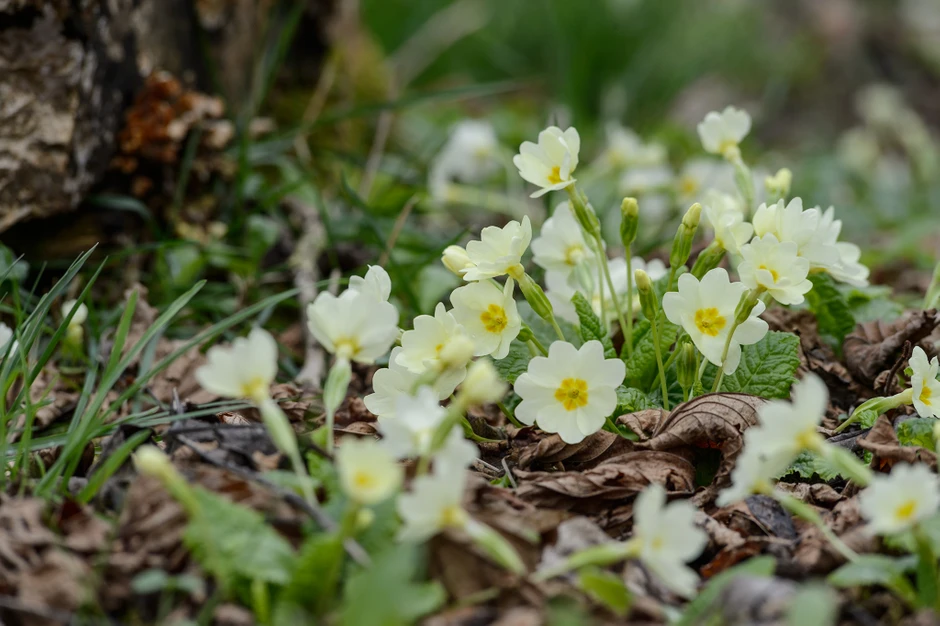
561 335
880 405
628 334
509 415
741 313
610 283
927 580
538 345
805 512
654 328
602 555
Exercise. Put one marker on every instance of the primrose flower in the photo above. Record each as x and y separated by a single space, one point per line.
499 251
700 176
81 313
437 344
550 163
706 311
723 213
899 501
411 431
482 384
626 149
434 504
375 283
456 259
847 269
489 315
561 246
666 538
388 384
571 391
722 132
468 156
754 472
368 473
924 383
788 428
774 266
6 336
639 181
358 325
245 369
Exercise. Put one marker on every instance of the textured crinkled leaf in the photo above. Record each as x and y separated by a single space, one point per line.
515 363
641 367
543 331
590 326
807 465
872 303
917 432
833 315
630 400
767 369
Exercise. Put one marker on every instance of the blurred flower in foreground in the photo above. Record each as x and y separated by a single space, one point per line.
722 132
368 472
243 370
898 501
924 383
571 391
469 156
550 163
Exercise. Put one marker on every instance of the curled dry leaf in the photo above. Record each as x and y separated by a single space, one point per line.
533 447
644 422
710 421
875 346
882 442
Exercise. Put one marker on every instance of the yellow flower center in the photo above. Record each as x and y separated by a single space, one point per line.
925 394
574 254
452 516
709 321
906 510
808 439
688 185
572 393
494 318
364 480
346 347
657 542
728 149
255 388
773 273
555 177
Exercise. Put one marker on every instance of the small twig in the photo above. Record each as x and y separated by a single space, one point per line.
512 479
906 352
397 228
353 549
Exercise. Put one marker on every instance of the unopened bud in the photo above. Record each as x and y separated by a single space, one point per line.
629 221
151 461
279 428
482 384
648 302
525 334
686 366
456 259
708 259
81 313
584 214
536 298
337 382
745 305
682 244
778 185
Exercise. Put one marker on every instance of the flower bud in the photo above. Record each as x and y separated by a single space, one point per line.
686 366
682 244
337 382
279 428
494 545
585 214
81 313
778 185
745 305
525 334
629 221
536 297
708 259
457 352
482 384
456 259
151 461
648 303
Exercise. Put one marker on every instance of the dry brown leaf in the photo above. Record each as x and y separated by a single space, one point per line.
709 421
874 346
645 422
882 442
533 447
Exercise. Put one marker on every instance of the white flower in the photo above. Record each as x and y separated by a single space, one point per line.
788 428
666 538
434 503
499 251
924 383
774 266
437 344
81 314
375 283
456 259
455 455
550 163
847 269
245 369
571 391
358 324
702 175
897 502
6 336
626 149
723 213
482 384
754 472
706 311
469 156
388 384
411 431
368 473
489 315
561 246
722 132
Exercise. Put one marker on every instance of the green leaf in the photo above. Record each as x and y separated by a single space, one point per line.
631 400
813 605
767 369
591 326
868 304
808 465
696 610
641 367
515 363
917 432
316 577
833 315
235 544
872 569
606 588
387 594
